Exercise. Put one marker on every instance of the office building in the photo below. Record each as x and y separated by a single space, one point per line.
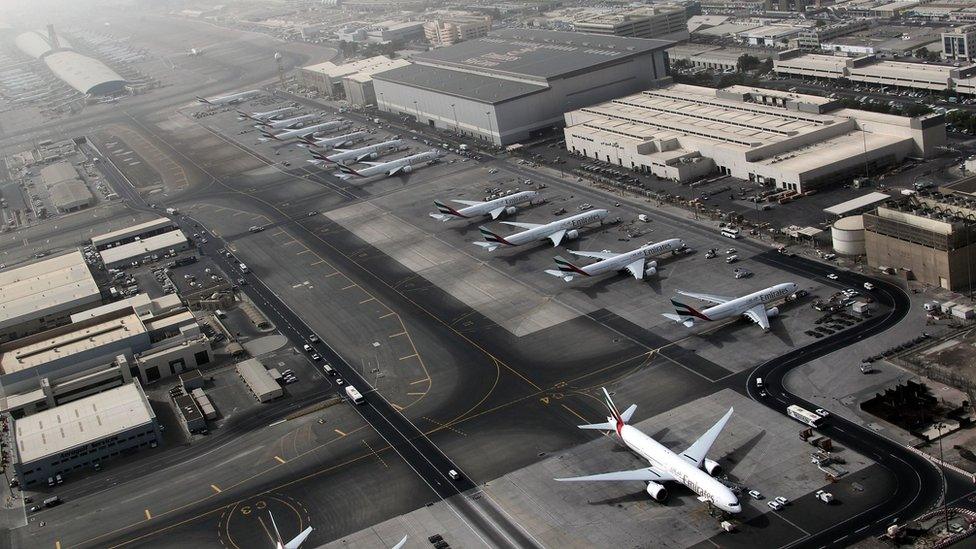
960 44
665 22
76 436
456 28
139 231
516 83
68 192
44 294
776 138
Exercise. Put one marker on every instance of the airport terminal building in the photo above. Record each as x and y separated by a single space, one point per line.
776 138
510 85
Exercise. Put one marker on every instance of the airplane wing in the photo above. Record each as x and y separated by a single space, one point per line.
595 255
521 225
372 163
758 315
706 297
645 474
637 269
496 212
557 237
299 539
401 543
467 202
696 453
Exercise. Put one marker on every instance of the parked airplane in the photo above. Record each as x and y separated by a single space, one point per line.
293 122
403 165
329 143
295 543
555 231
266 115
368 152
635 261
474 208
666 466
752 306
307 130
229 99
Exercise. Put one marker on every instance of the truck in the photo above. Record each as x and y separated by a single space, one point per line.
172 211
728 526
825 497
354 395
52 501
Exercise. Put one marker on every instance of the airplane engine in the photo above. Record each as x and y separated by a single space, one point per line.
511 210
658 492
650 269
772 312
373 155
712 467
572 235
407 169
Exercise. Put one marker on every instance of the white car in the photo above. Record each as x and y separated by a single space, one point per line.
781 500
774 505
821 412
868 286
832 276
454 474
754 494
316 357
307 347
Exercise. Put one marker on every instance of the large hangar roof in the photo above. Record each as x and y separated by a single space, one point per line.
539 54
457 83
83 73
36 45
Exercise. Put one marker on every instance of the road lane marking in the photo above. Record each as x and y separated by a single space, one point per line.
305 251
416 394
409 356
341 434
319 262
397 406
215 488
425 380
289 243
279 459
387 314
367 300
349 286
572 411
148 514
397 335
332 274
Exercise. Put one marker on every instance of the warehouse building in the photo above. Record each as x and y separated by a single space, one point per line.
68 192
151 347
330 79
776 138
78 435
516 83
126 235
930 237
257 378
44 294
358 87
868 69
454 28
83 73
123 254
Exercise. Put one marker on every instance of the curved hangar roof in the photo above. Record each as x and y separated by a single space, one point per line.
87 75
35 44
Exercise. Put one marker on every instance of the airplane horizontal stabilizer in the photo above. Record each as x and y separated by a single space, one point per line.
605 426
557 273
687 321
440 216
490 246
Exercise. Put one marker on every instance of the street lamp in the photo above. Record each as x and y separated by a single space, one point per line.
381 99
416 108
969 221
457 127
945 500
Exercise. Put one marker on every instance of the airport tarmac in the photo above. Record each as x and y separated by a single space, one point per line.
757 449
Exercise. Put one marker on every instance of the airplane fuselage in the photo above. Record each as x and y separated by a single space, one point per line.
619 262
310 130
486 207
663 459
390 167
742 304
230 99
330 142
289 122
568 224
353 154
267 115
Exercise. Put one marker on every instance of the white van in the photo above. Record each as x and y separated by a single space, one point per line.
243 268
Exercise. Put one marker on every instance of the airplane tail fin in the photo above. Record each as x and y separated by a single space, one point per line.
319 157
446 210
616 420
268 135
242 114
307 140
491 237
567 267
348 171
687 313
202 100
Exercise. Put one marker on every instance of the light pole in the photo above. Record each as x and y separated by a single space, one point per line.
457 127
945 497
491 128
381 99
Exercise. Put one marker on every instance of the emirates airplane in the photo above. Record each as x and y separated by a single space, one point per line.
229 99
635 261
555 231
329 143
474 208
266 115
295 543
665 465
752 306
307 130
399 166
288 122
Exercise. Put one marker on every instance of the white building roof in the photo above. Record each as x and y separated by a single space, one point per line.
338 71
865 201
83 73
45 288
139 248
82 421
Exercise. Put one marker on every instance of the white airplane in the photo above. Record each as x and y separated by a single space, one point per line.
293 122
368 152
229 99
329 143
666 466
555 231
401 543
403 165
307 130
295 543
635 261
473 208
752 306
266 115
